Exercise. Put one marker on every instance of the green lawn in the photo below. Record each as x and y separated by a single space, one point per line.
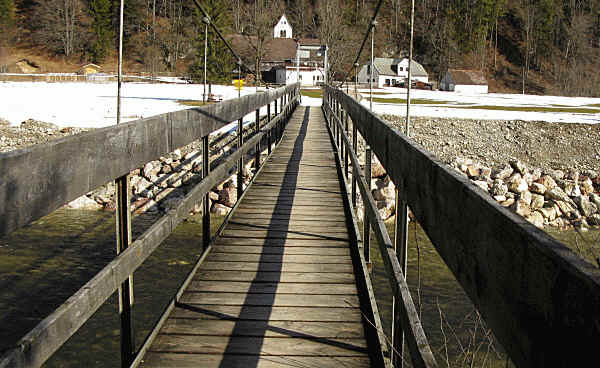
415 101
191 102
314 93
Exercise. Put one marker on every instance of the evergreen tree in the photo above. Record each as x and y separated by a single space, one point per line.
220 63
7 12
102 30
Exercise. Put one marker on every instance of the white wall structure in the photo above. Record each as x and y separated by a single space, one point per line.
282 29
388 71
309 76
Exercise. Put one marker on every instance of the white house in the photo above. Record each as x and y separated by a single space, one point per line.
390 72
282 29
309 75
464 81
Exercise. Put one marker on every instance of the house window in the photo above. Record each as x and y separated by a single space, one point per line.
300 76
401 69
282 34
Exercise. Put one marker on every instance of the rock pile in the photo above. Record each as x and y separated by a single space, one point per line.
161 185
544 197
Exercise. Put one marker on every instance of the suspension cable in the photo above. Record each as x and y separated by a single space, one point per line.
372 24
239 61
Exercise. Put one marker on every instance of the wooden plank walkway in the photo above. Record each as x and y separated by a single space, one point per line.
278 288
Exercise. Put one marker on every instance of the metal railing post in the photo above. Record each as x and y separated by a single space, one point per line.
276 139
269 131
123 215
240 180
346 148
123 219
401 247
366 225
257 154
355 148
206 204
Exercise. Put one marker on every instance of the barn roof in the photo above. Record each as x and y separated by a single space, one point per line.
468 77
384 67
276 50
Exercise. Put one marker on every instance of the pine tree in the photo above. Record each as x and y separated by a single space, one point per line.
220 63
7 13
101 13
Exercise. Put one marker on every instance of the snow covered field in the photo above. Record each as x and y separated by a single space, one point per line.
95 104
465 106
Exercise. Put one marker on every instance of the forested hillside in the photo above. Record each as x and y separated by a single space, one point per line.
541 46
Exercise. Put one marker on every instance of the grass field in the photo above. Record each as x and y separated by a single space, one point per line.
415 101
314 93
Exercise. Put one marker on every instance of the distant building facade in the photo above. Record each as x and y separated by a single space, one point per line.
287 60
464 81
391 71
282 29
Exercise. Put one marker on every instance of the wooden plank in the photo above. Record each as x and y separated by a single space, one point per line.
250 249
251 220
308 211
276 276
277 258
274 234
260 346
258 313
316 228
271 288
279 243
291 329
243 361
277 267
273 300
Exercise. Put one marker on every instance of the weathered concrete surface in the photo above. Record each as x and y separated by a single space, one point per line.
540 299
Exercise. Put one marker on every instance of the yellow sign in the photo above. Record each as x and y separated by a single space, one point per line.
239 83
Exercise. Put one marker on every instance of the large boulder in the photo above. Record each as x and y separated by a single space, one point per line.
586 207
84 203
228 196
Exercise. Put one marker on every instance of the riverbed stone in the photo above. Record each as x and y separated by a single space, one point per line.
537 188
219 209
499 198
537 219
547 181
557 194
228 196
537 201
518 166
525 197
556 174
508 202
584 204
595 199
594 220
84 203
517 184
587 186
498 188
521 207
504 173
548 212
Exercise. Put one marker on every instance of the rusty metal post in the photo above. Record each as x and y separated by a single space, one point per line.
269 131
401 247
206 207
366 224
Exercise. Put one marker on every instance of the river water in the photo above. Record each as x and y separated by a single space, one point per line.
44 263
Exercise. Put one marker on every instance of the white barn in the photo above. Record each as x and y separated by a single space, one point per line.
464 81
282 29
389 72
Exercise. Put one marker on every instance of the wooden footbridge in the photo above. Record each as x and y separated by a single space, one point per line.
285 281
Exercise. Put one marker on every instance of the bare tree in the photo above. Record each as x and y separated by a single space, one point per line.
262 16
59 22
332 31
